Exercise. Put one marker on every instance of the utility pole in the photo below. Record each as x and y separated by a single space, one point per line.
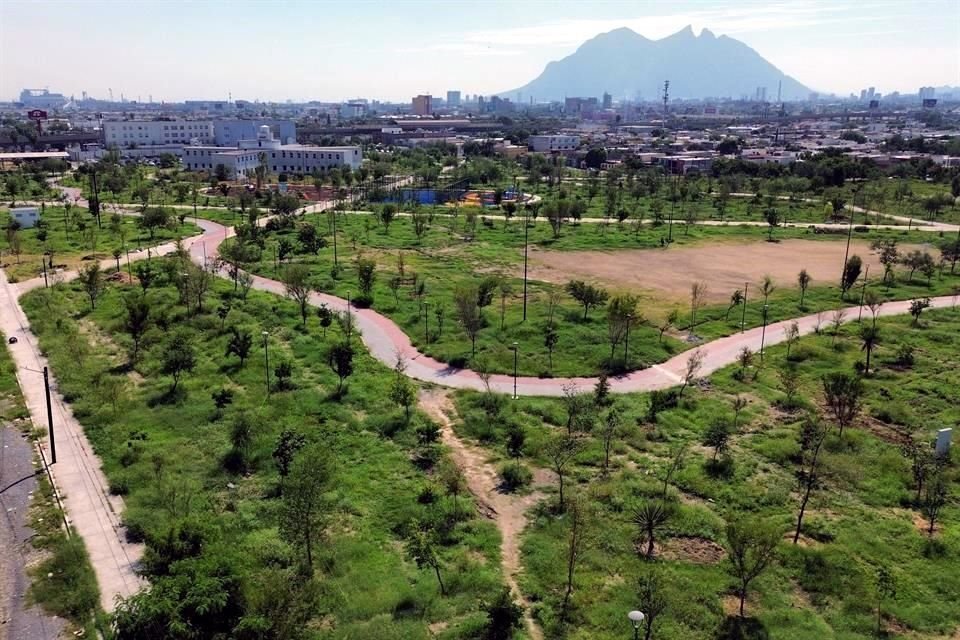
863 293
846 255
526 237
53 443
743 315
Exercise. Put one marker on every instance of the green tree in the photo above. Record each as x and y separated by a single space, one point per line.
886 590
296 284
239 344
92 281
366 277
404 394
587 295
651 598
422 549
843 395
870 338
340 358
288 444
650 517
154 218
178 356
503 616
803 280
304 512
851 273
751 547
136 321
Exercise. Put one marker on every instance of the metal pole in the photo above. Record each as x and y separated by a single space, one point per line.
516 353
526 236
763 334
846 254
863 293
266 362
53 442
743 315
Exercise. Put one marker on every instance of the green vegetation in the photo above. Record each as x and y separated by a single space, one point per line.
68 236
217 473
865 531
422 259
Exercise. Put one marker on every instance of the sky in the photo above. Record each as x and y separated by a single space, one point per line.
392 49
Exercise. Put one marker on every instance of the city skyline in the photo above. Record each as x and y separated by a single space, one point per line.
298 51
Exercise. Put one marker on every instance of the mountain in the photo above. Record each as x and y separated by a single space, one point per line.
624 63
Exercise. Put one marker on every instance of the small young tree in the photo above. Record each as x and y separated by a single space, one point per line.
387 214
670 320
222 398
611 425
916 309
836 320
812 435
587 295
325 315
803 280
751 547
304 510
419 220
578 519
178 357
560 451
366 276
296 283
736 299
340 358
792 336
692 370
468 313
870 338
678 454
934 499
550 339
744 359
404 394
698 294
650 517
422 548
717 436
239 344
767 287
851 273
922 463
886 590
454 483
91 278
651 598
739 404
843 395
136 321
288 444
222 312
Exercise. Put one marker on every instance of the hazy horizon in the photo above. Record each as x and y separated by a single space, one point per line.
390 51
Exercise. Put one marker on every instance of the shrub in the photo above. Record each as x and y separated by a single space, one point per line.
662 401
905 356
514 475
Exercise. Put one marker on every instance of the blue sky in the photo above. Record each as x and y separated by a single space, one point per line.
393 49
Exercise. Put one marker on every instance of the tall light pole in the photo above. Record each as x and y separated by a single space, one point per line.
863 293
846 254
53 443
763 334
516 353
266 360
526 237
636 617
743 314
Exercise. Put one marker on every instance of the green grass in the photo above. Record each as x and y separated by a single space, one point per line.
168 455
62 582
443 259
860 519
79 239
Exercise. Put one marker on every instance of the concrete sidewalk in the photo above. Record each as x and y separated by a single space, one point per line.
92 512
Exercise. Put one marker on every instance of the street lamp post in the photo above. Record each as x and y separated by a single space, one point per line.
516 353
636 617
763 333
426 319
266 360
743 314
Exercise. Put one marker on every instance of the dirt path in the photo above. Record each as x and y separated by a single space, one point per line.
507 511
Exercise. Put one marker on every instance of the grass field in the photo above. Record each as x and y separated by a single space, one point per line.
862 517
76 239
444 258
206 516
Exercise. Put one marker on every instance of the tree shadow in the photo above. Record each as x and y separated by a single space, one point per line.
169 396
736 628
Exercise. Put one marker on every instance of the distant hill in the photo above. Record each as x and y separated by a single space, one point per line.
625 64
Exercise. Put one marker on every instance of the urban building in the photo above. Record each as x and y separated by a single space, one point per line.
42 99
422 105
453 98
241 161
579 106
927 93
127 133
26 217
553 143
607 100
229 133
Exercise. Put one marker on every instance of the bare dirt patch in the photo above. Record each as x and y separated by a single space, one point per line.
724 266
695 550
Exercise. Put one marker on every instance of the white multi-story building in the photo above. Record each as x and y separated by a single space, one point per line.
241 161
553 143
126 133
